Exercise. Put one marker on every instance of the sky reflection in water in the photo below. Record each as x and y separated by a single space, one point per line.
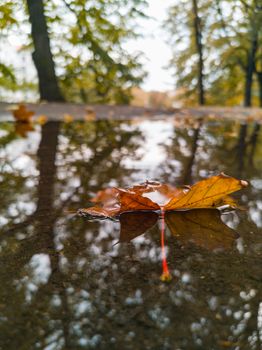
66 284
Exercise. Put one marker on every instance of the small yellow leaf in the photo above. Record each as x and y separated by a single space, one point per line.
90 115
42 119
68 118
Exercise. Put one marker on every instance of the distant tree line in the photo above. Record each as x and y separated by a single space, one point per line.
78 49
217 50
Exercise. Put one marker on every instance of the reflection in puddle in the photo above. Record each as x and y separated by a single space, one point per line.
65 284
202 227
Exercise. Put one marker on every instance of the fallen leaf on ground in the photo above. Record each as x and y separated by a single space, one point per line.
68 118
154 196
90 115
22 114
42 119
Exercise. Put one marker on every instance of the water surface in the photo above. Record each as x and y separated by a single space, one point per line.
66 284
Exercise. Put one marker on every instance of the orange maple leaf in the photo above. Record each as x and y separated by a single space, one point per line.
154 196
22 114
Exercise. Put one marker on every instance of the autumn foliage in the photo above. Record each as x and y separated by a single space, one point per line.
22 114
139 207
154 196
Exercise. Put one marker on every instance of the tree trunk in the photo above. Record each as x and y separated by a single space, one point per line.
199 46
259 79
249 71
42 56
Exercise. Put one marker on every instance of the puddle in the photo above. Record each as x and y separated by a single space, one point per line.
67 284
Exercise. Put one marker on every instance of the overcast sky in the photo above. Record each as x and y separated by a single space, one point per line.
154 46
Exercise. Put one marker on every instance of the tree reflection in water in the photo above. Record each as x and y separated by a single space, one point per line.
65 284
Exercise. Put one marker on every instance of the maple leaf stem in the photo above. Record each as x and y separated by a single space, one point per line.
166 276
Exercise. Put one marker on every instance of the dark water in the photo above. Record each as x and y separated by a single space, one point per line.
65 284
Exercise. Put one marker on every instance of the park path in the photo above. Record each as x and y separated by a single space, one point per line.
56 111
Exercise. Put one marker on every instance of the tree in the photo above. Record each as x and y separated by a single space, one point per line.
235 36
259 78
90 53
186 25
42 56
218 41
7 19
258 61
253 10
79 47
94 64
199 47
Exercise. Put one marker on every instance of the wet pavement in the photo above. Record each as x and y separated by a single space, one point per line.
68 283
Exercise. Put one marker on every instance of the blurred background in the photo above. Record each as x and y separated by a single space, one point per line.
148 53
